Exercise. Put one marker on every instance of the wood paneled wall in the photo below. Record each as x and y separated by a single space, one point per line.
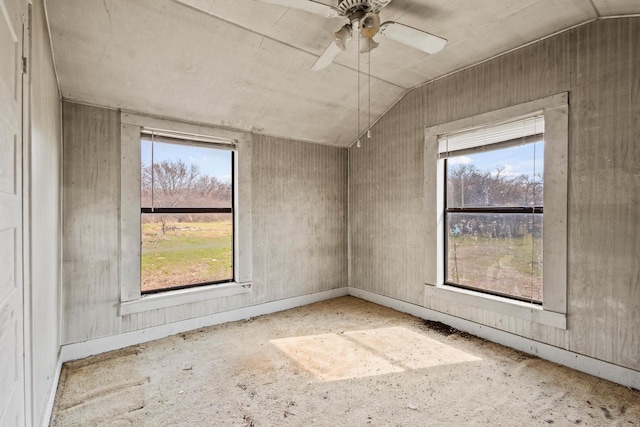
91 182
386 220
299 217
299 210
604 194
599 65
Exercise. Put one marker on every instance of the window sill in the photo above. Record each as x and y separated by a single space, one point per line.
501 305
182 296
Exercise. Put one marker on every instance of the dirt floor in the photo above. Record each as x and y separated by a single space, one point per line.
343 362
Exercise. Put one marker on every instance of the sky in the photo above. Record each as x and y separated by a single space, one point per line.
210 161
523 159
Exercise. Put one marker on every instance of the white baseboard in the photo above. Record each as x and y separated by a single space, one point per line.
48 410
89 348
598 368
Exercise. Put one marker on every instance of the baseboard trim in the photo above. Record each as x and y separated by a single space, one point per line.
84 349
598 368
48 410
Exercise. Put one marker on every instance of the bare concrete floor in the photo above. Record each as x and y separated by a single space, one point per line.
344 362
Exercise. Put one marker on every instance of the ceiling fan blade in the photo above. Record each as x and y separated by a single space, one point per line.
327 57
307 6
412 37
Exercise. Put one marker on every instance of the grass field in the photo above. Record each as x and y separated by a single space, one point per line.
196 252
511 266
185 253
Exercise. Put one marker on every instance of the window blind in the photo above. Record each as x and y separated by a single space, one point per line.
520 128
172 137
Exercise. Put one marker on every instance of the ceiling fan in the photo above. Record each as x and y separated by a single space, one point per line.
364 20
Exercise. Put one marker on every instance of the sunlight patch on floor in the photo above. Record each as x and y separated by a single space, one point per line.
371 352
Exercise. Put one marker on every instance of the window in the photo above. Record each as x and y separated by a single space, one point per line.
186 212
494 180
467 140
135 207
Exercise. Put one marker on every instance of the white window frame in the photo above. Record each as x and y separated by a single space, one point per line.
553 310
131 299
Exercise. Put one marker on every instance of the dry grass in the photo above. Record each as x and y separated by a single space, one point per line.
500 265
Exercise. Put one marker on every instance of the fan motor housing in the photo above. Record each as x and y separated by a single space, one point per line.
348 7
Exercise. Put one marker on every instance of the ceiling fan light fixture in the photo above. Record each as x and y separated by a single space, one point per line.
369 25
342 36
367 45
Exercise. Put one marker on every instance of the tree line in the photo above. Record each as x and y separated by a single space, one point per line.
468 186
174 184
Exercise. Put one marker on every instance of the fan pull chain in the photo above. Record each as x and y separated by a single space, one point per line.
369 78
358 144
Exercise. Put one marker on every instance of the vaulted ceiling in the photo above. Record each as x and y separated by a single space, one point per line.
245 64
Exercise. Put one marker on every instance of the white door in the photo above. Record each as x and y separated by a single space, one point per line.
12 378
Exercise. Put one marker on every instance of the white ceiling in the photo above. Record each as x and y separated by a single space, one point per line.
246 65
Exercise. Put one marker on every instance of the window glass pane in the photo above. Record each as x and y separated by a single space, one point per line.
179 250
499 253
510 177
185 176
